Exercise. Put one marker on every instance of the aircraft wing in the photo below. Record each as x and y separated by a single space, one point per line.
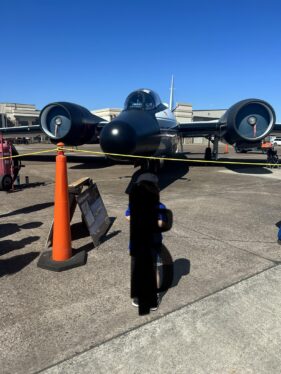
26 131
200 128
276 129
13 132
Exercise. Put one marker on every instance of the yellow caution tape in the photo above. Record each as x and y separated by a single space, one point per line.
141 157
170 159
28 154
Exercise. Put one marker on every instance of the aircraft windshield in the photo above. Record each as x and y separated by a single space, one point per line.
140 100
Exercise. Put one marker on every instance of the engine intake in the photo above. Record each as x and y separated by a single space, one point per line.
69 123
248 120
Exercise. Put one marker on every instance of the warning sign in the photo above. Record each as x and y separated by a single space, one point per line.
94 213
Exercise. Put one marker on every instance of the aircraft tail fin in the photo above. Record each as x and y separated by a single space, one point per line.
171 103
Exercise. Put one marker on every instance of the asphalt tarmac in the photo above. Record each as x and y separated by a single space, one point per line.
221 313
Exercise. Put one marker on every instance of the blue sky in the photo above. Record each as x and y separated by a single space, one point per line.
95 52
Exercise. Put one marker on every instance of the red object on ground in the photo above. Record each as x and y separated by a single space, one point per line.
8 168
266 145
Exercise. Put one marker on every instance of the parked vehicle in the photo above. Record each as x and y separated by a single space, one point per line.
276 141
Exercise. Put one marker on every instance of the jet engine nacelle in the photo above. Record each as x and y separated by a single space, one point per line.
248 120
69 123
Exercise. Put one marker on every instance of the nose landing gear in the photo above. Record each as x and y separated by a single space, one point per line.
209 153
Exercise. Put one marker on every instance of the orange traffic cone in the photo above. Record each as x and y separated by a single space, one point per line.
61 233
60 258
226 148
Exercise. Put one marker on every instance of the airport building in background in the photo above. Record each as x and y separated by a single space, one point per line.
13 114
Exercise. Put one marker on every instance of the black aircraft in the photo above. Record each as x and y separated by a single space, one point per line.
147 127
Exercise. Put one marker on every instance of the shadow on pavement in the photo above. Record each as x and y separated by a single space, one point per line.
79 230
256 170
236 167
24 186
14 264
173 171
109 236
241 160
42 157
85 162
278 224
172 271
89 246
86 247
90 162
239 168
7 246
181 268
169 173
28 209
7 229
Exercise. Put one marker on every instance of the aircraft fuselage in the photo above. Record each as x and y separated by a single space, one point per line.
145 127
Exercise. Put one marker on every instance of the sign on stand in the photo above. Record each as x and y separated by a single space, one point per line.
94 213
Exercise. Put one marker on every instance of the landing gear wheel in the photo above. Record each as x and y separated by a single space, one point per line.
208 153
6 182
178 147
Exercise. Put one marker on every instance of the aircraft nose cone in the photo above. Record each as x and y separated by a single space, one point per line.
118 137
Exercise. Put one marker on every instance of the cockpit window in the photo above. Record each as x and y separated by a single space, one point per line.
148 102
140 100
135 101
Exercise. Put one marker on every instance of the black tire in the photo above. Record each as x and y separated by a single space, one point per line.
208 153
6 182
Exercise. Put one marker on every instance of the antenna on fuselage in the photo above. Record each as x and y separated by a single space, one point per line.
171 104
